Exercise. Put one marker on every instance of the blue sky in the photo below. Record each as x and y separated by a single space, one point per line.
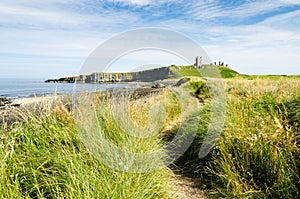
52 38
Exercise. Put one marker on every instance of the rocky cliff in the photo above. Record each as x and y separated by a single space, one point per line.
141 76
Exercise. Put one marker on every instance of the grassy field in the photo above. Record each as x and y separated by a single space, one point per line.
258 153
256 156
44 157
185 71
180 71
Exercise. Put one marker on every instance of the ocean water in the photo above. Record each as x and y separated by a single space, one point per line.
25 88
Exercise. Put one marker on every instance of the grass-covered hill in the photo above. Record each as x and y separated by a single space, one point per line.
225 72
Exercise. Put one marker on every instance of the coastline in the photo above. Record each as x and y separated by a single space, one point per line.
13 111
33 100
24 101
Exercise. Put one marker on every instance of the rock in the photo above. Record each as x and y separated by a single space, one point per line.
3 99
200 100
182 81
144 92
16 105
158 85
4 102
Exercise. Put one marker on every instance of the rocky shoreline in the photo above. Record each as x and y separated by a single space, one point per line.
4 102
12 111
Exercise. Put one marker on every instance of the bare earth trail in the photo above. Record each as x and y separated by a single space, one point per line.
187 188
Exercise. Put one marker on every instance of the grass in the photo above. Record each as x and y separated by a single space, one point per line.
257 155
45 157
189 71
292 107
272 77
185 71
57 154
227 72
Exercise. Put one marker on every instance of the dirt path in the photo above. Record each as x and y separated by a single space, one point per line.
187 188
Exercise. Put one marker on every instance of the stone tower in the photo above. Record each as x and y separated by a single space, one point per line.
198 63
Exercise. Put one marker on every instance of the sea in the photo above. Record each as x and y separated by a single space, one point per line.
13 89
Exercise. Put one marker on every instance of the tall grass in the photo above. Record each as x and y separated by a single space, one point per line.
257 155
53 154
44 157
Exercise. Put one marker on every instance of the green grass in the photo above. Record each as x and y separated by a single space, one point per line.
58 155
291 108
227 72
272 77
185 71
200 89
258 153
180 71
44 157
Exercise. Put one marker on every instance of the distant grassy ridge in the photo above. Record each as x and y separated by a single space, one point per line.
185 71
273 77
225 72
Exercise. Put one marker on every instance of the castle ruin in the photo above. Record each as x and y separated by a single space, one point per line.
198 63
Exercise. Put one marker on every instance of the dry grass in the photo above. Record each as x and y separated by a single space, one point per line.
44 156
256 157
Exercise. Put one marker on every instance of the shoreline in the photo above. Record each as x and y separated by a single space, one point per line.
34 91
36 98
14 111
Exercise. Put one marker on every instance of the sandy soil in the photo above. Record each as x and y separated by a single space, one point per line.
35 100
187 188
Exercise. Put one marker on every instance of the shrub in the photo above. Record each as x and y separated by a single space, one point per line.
201 89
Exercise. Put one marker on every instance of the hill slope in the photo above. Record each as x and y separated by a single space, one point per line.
225 72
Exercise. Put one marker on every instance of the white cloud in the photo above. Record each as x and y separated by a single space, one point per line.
292 2
289 21
50 15
134 2
152 3
269 47
212 9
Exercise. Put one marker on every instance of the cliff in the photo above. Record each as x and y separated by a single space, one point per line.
141 76
148 75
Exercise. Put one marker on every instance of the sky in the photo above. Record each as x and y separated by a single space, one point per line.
53 38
